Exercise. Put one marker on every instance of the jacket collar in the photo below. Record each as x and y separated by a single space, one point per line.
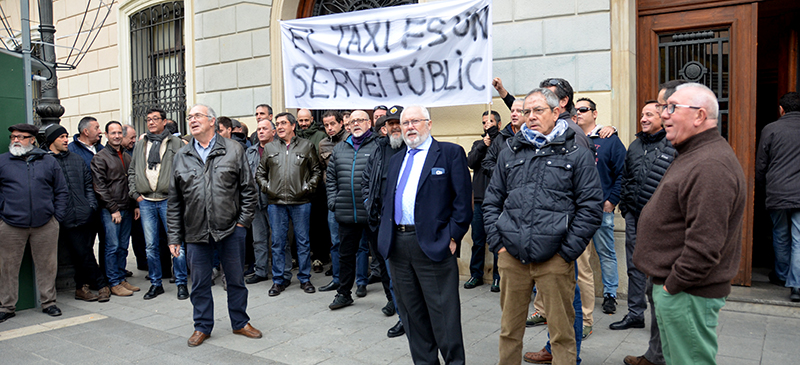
651 138
698 140
35 154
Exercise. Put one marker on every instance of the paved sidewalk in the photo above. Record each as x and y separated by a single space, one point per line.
300 329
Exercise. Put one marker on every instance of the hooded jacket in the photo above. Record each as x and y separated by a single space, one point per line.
646 161
313 134
543 201
82 202
32 189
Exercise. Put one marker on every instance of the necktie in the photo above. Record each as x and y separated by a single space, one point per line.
398 195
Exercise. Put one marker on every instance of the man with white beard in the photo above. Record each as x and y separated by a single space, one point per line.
373 187
33 195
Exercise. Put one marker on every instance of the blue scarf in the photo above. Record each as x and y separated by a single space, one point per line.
540 140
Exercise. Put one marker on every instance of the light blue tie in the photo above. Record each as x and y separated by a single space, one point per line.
398 195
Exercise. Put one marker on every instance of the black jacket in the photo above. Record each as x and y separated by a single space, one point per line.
32 189
475 157
82 202
499 144
778 162
373 182
110 177
542 202
207 200
289 175
345 173
646 161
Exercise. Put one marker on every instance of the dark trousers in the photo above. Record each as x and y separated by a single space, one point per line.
138 244
383 273
654 352
320 236
478 258
80 244
231 255
427 301
349 239
636 279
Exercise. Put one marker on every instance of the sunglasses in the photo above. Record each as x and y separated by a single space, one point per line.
584 109
380 107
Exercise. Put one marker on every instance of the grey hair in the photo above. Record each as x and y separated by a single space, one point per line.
705 98
421 108
125 128
549 96
211 113
84 123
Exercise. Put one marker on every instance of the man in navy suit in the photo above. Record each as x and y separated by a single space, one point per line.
425 214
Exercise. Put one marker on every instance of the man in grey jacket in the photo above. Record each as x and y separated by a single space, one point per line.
211 175
148 182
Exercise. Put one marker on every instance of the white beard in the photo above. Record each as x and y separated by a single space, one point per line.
19 150
395 142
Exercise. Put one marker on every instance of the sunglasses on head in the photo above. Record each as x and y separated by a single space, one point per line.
380 107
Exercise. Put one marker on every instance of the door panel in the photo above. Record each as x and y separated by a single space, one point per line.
682 44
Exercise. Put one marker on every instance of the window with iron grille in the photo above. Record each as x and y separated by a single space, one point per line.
158 69
701 56
325 7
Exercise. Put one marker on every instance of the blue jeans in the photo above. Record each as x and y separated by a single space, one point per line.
151 213
279 216
333 226
231 253
604 245
578 324
362 260
118 236
478 258
786 242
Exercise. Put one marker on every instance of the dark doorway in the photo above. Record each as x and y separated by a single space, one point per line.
778 43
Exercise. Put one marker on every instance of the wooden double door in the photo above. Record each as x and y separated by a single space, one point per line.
720 43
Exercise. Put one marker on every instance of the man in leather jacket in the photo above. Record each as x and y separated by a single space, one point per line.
212 199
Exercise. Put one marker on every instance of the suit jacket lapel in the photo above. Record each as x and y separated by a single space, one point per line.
391 179
433 154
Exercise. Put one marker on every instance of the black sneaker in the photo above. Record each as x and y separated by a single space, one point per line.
609 304
361 291
473 282
52 311
154 292
341 301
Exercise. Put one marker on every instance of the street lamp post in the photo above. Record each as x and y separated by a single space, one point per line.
49 107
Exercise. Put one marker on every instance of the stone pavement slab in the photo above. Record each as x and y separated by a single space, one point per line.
300 329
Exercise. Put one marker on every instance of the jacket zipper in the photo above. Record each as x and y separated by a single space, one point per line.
30 196
352 192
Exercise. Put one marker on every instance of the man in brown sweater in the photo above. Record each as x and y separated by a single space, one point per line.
690 231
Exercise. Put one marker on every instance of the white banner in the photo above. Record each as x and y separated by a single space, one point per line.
432 54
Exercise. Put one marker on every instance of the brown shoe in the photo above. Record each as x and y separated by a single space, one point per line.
636 360
83 293
248 331
130 287
104 294
541 357
197 338
120 291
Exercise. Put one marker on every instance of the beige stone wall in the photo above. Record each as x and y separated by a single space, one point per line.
93 87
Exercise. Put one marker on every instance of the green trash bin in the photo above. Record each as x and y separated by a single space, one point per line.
12 111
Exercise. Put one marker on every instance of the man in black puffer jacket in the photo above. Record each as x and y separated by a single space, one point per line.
541 209
75 233
343 183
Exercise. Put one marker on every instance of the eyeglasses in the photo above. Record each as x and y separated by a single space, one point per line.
197 116
156 119
671 107
660 107
380 107
359 121
14 137
415 122
537 111
584 109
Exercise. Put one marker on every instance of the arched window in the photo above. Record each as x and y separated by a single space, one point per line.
158 71
308 8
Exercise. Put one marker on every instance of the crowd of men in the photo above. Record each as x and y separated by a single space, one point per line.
544 189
